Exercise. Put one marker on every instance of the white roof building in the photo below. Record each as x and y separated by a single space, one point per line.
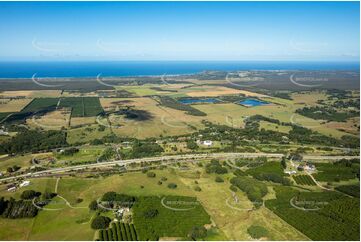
208 142
11 189
290 172
24 184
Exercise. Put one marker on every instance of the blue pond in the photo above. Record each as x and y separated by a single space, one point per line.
192 101
252 103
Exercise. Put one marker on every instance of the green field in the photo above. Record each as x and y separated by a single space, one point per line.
3 116
39 104
304 180
82 106
336 217
352 190
233 197
331 172
271 167
168 222
118 232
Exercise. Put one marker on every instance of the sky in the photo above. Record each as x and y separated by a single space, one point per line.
179 31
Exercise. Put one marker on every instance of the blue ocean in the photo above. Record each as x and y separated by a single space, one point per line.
26 69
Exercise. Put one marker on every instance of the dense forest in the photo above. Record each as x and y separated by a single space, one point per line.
34 141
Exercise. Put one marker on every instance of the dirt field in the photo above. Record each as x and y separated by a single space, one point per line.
211 91
13 105
82 121
53 120
162 120
309 98
31 94
252 94
350 126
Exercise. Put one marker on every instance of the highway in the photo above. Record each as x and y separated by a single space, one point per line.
161 158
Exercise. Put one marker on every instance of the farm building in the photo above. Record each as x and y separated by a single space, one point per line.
306 167
207 143
24 184
290 172
11 188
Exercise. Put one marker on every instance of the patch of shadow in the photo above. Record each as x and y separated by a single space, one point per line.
120 102
138 115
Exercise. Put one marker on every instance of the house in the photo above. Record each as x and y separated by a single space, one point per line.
119 213
290 172
11 188
2 132
24 184
309 167
208 142
306 167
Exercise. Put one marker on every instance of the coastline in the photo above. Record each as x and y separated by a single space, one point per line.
156 69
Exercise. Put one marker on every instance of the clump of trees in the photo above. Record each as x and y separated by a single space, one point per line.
254 189
100 222
151 174
144 149
13 168
215 167
197 232
257 232
327 113
219 179
172 185
17 209
192 145
272 177
93 205
29 194
197 188
283 163
107 154
48 195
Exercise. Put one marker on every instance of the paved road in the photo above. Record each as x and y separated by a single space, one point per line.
160 158
317 157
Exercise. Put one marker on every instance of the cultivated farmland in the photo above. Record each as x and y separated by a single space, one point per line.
119 232
319 215
82 106
304 180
